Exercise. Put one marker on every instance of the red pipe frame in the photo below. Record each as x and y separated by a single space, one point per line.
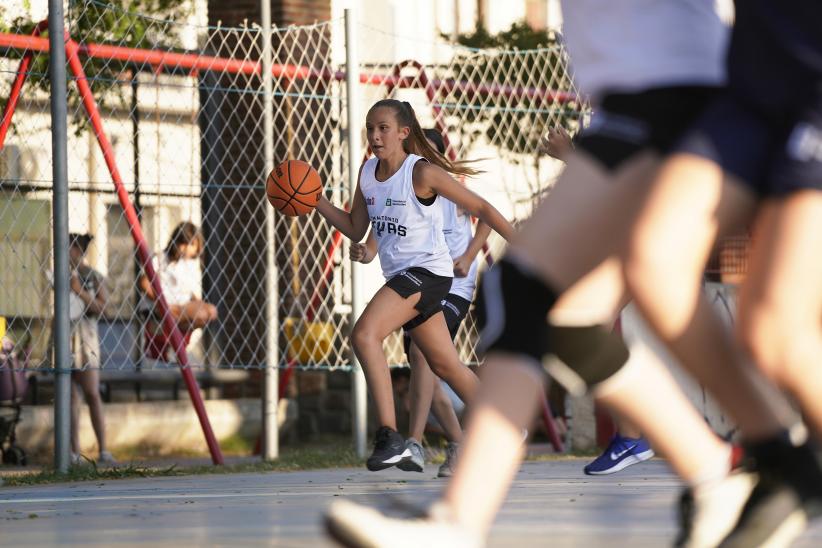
195 62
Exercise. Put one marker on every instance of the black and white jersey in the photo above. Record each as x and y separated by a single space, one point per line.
408 233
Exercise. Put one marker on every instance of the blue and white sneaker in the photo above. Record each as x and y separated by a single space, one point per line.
620 453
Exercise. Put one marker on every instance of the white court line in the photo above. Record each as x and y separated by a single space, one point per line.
180 496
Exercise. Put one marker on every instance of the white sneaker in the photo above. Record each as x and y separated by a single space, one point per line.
355 526
75 458
106 458
708 513
415 461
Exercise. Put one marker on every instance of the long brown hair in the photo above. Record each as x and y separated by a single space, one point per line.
416 143
184 233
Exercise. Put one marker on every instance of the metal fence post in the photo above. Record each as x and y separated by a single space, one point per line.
359 391
270 403
61 327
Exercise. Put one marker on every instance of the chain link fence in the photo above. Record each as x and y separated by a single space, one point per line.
182 106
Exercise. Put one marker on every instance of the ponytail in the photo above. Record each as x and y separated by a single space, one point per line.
417 143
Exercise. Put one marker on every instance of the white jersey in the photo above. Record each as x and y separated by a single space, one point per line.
408 233
458 235
633 45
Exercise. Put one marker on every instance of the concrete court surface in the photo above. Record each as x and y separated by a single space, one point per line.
551 504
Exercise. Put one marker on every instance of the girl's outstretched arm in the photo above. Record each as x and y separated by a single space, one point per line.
431 179
354 224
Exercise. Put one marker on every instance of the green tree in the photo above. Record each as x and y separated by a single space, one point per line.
516 124
145 24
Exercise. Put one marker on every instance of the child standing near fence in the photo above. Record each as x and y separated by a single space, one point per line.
397 193
426 391
86 303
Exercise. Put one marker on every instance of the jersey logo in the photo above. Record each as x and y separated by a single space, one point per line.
370 201
388 227
394 202
805 143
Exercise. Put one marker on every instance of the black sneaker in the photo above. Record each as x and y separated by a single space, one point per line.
389 449
786 497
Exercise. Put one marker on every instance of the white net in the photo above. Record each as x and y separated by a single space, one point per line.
182 106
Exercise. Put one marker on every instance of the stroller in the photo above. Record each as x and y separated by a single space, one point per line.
13 385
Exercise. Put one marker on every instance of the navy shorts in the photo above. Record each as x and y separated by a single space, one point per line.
432 289
773 157
626 124
454 308
766 127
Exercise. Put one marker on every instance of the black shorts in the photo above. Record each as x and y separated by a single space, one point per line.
432 289
454 308
629 123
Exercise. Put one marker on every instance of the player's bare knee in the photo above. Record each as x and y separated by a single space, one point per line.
442 366
363 336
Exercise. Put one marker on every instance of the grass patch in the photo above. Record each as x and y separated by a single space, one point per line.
535 457
89 472
235 445
315 456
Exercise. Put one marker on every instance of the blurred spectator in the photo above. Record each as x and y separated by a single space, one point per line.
86 303
181 279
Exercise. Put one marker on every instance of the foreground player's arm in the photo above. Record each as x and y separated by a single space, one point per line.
364 253
354 224
430 179
462 264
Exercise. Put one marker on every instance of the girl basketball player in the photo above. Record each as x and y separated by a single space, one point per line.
426 391
647 88
397 194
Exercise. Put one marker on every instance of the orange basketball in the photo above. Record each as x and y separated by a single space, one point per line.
294 188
